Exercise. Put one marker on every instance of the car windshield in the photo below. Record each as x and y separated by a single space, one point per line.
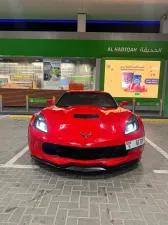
87 99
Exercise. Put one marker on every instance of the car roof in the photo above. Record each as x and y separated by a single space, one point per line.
85 91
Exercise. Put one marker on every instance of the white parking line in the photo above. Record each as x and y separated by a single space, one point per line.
16 157
3 116
161 151
10 163
165 154
161 171
19 166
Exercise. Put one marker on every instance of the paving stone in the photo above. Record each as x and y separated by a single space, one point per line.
135 209
149 208
68 205
122 215
112 198
110 207
83 221
13 204
78 213
35 211
75 196
4 217
25 220
105 217
125 195
60 198
117 183
136 201
162 205
45 200
134 222
4 191
72 221
89 193
137 192
149 199
115 189
2 208
17 214
23 197
6 199
94 210
126 187
59 184
52 208
61 217
123 204
66 190
93 186
99 199
161 217
48 196
43 220
80 188
84 202
150 219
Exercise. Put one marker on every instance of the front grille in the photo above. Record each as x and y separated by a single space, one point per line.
86 116
84 153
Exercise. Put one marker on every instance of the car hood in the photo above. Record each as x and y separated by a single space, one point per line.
65 126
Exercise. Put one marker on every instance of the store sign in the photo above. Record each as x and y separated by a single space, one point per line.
38 100
129 49
132 78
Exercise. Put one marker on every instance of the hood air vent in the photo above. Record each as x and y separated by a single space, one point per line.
86 116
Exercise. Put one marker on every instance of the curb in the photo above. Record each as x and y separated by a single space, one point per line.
20 116
155 120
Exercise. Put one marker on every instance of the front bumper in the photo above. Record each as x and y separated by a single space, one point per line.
94 164
104 163
90 168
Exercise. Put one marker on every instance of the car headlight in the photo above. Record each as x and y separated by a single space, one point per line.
132 125
40 123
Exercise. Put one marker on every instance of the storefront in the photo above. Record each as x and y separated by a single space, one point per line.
47 73
48 67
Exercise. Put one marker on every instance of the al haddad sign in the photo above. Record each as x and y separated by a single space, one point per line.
131 49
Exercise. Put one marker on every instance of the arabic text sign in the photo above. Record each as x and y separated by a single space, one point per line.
132 78
131 49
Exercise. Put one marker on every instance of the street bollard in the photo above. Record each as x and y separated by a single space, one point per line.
161 107
53 100
133 105
27 103
1 104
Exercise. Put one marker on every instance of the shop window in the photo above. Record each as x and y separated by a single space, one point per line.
47 73
21 72
69 73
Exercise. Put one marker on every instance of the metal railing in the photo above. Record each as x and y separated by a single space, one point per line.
134 104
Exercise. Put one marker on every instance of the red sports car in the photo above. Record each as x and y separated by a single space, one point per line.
86 130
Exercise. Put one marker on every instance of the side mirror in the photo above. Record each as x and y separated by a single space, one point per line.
123 103
50 101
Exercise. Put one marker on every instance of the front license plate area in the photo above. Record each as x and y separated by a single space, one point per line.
134 143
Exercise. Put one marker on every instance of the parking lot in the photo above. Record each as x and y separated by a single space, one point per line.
32 193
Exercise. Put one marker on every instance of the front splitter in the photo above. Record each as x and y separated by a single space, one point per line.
87 169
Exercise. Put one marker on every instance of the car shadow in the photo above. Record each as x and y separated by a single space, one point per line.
136 168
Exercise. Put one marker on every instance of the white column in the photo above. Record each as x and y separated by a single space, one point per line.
81 22
164 24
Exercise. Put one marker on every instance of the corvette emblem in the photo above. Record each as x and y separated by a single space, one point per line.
85 135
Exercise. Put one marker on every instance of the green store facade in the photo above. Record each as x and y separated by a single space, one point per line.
94 46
